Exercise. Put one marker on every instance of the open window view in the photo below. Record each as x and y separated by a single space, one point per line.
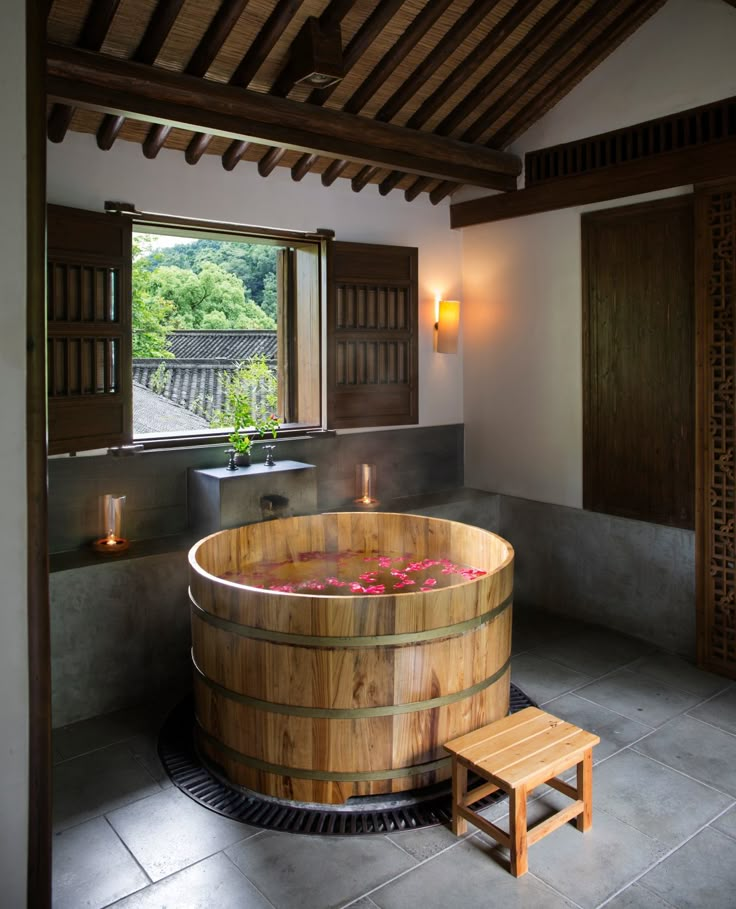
208 319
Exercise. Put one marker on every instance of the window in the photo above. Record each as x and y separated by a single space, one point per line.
150 318
210 316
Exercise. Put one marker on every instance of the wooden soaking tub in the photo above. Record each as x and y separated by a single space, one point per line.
319 698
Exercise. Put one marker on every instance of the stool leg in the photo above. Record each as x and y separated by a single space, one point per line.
517 824
585 791
459 793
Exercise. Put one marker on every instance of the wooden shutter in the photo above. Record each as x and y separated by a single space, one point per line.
89 344
372 319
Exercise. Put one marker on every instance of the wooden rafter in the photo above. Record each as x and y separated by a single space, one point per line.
521 85
157 30
626 22
249 66
95 28
330 19
364 37
150 94
217 32
452 83
388 63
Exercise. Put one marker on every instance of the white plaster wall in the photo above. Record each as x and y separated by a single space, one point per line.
13 631
522 278
81 175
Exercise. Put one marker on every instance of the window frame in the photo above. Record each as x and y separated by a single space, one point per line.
174 225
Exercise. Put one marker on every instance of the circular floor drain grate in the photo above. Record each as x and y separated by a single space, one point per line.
360 816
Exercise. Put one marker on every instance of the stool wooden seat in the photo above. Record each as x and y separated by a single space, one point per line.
517 754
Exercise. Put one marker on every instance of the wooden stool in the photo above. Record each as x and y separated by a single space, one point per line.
517 754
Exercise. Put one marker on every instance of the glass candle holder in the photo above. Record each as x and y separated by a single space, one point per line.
365 485
112 540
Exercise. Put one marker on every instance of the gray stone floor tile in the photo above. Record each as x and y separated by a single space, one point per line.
637 897
214 883
673 670
99 732
168 832
295 872
144 748
533 628
98 782
365 902
639 698
423 844
615 731
719 711
92 868
700 875
726 823
589 867
593 651
472 876
699 750
659 802
542 679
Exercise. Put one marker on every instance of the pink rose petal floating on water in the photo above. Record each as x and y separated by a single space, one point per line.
429 582
376 588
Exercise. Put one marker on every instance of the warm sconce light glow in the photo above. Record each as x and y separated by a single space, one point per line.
365 485
447 326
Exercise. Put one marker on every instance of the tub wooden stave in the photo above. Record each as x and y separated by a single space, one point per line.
322 698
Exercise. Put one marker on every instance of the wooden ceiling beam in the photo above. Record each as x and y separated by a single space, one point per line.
120 87
465 25
270 160
264 42
95 28
496 76
358 45
627 21
692 165
452 83
302 167
425 19
363 177
157 31
330 174
221 24
329 20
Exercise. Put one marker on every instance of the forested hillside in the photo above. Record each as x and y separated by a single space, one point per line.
207 284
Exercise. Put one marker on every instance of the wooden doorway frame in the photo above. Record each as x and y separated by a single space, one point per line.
39 652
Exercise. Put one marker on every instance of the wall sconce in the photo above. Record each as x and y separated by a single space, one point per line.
447 326
365 486
112 521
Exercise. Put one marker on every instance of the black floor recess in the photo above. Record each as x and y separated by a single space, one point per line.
360 816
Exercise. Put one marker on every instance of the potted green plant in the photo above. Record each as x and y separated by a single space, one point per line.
242 422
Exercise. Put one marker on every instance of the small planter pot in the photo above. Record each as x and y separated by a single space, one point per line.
237 459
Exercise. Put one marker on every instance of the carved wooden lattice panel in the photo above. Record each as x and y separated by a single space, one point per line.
716 289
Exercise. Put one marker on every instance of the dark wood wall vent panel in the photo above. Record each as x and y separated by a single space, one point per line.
372 320
686 129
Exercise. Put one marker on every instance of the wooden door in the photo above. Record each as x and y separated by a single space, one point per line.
638 362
